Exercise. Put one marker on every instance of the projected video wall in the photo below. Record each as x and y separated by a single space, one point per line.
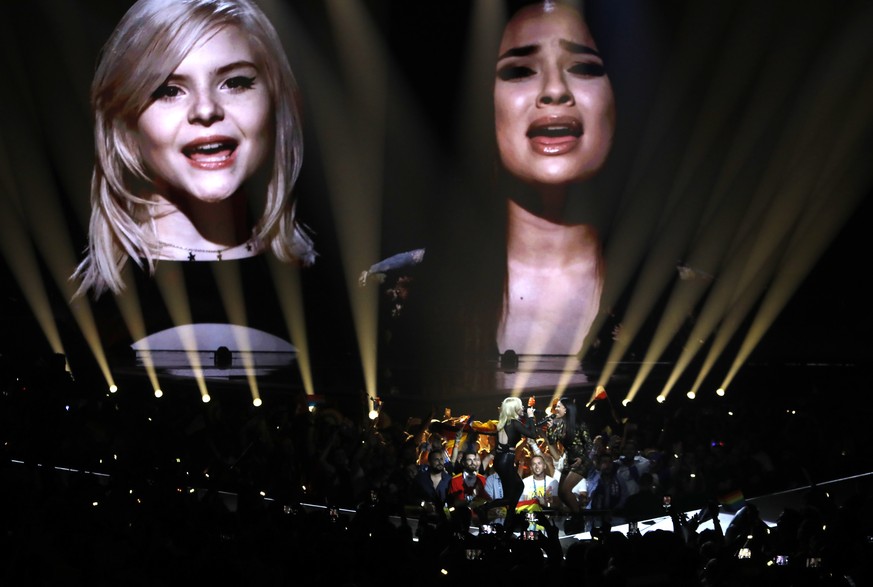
477 198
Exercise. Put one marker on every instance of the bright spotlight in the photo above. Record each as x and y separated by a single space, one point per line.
311 408
377 407
206 398
661 399
159 393
691 395
625 402
113 388
257 402
720 392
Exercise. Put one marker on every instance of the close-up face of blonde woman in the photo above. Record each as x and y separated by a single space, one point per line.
209 126
553 102
191 100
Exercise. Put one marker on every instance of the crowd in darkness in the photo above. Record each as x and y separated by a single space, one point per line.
110 489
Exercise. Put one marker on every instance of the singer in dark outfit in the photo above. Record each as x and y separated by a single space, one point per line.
510 430
572 435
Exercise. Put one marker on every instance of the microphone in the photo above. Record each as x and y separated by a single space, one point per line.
546 420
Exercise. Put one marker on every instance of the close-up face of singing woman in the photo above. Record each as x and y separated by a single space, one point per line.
554 107
554 124
196 125
207 129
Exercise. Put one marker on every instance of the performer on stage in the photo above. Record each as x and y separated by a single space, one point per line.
566 431
510 430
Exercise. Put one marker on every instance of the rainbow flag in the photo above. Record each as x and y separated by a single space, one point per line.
733 501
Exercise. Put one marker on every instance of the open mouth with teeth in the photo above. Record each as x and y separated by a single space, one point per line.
558 130
211 152
555 136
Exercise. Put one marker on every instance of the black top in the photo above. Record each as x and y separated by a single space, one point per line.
515 430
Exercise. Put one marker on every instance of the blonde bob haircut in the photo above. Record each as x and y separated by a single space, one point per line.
508 411
149 43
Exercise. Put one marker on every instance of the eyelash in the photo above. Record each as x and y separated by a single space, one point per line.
235 84
516 72
240 82
588 69
165 92
513 72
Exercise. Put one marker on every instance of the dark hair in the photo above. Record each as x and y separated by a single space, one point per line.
570 423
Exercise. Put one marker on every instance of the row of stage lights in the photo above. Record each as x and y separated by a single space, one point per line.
257 402
376 410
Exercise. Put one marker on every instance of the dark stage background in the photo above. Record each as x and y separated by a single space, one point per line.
760 103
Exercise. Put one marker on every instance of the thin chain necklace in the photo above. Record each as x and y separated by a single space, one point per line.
249 245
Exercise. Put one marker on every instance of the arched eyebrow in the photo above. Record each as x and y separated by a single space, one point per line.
570 46
224 69
235 65
520 51
578 48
